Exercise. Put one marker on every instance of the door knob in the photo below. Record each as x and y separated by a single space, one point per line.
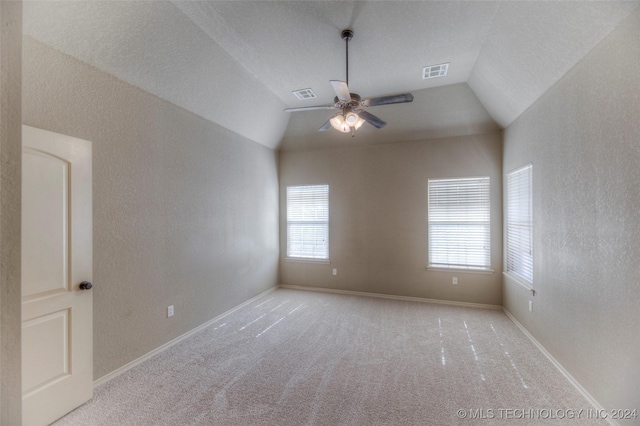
85 285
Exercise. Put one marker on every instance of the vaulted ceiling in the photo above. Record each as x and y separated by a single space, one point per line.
236 63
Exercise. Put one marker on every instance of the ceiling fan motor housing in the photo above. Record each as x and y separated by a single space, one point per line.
355 100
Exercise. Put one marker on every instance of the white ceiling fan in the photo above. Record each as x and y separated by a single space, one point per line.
352 115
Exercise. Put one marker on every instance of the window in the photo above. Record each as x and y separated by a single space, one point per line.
308 222
520 222
459 223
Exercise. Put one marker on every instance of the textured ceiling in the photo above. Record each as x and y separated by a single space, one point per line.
228 60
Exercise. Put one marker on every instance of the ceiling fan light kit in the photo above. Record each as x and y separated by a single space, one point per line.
351 115
346 121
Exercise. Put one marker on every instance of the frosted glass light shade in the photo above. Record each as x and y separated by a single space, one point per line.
351 119
338 123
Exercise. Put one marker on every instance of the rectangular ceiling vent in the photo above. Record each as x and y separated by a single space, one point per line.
303 94
433 71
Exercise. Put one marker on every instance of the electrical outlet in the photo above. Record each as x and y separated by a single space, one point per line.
454 280
170 311
530 305
335 271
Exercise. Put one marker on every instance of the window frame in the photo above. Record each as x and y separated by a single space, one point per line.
292 257
522 278
487 267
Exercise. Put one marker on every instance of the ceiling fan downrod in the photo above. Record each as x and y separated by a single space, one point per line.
347 35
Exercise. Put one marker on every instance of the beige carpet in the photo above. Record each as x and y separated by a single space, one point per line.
306 358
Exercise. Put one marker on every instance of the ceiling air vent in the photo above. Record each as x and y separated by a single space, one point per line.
303 94
433 71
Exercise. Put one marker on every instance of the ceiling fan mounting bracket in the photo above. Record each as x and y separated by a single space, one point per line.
347 34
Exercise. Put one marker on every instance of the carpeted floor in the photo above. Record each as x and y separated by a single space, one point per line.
307 358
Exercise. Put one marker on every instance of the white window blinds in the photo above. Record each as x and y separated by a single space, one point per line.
520 222
459 223
308 222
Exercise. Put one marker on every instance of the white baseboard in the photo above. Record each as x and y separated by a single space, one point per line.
560 368
178 339
390 296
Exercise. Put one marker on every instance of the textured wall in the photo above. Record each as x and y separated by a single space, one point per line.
10 176
154 46
378 216
532 44
583 137
185 211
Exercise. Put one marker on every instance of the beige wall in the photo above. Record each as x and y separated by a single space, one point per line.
10 177
583 137
185 211
378 208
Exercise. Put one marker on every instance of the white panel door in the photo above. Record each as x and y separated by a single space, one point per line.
57 334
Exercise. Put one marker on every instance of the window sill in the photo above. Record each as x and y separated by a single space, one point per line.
521 282
460 270
305 260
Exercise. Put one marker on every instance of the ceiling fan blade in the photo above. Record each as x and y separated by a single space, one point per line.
309 108
341 89
387 100
325 126
371 119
